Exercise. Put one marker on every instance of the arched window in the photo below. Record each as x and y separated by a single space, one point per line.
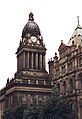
80 78
71 85
80 62
58 86
64 86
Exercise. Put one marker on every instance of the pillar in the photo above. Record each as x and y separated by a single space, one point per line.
36 97
32 60
40 61
36 60
28 100
43 61
27 59
24 60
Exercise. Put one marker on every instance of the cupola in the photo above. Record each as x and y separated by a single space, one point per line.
31 28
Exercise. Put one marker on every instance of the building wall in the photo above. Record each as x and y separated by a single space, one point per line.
23 91
66 72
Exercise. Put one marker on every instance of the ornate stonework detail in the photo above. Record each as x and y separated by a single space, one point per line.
34 73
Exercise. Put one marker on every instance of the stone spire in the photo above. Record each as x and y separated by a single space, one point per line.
78 21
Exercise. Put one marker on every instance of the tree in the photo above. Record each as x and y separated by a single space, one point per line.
8 114
16 113
33 112
57 107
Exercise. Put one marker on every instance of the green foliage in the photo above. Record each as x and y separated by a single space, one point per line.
33 112
54 107
8 114
16 113
57 107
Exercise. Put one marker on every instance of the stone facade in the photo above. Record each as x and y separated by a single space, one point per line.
66 70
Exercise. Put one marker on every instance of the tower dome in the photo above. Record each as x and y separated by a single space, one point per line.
31 27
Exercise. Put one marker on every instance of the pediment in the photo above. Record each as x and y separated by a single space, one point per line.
62 46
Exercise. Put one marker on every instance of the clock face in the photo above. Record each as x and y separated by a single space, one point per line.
34 39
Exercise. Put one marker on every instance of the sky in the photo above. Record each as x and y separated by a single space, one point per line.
57 20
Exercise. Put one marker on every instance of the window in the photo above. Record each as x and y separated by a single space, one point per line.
58 72
80 78
63 69
70 66
80 62
81 82
64 86
58 86
71 85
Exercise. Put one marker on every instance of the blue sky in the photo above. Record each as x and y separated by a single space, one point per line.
57 20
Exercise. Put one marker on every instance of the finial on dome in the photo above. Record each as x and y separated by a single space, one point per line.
31 17
78 21
61 41
55 54
73 42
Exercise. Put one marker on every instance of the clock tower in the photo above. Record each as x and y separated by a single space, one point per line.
31 53
31 81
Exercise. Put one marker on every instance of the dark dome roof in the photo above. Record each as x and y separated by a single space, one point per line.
31 27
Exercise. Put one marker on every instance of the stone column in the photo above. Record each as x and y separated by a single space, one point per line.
36 60
76 62
29 81
43 61
29 100
66 67
40 61
60 70
32 60
24 60
36 81
44 82
27 59
36 98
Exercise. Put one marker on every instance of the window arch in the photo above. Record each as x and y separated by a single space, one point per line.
64 86
58 86
71 85
80 78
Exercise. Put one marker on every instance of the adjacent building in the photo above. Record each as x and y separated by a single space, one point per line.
66 70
